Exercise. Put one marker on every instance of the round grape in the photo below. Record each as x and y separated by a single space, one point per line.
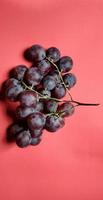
33 76
66 109
69 80
44 66
23 139
35 53
65 64
18 72
28 98
13 130
51 106
49 82
53 123
53 53
59 91
36 121
55 76
24 112
13 89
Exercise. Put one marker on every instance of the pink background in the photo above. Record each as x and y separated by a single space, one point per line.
67 165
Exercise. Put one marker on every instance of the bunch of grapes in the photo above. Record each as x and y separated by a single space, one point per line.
39 90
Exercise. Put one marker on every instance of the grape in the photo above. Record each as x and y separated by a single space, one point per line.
49 82
36 121
55 76
51 106
33 76
53 53
69 80
13 130
18 72
53 123
66 109
13 89
44 66
35 53
23 139
28 98
45 92
39 106
24 112
59 91
65 64
36 133
35 141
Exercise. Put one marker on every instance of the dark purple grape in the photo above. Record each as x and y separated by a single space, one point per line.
69 80
33 76
28 98
36 120
13 130
55 76
36 133
24 112
59 91
66 109
45 92
13 89
51 106
40 106
23 139
53 53
35 53
49 82
65 64
53 123
18 72
35 141
44 66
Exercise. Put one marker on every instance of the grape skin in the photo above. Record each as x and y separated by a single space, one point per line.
28 98
65 64
51 106
36 133
12 89
33 76
44 66
18 72
53 53
23 139
53 123
35 141
49 82
59 91
36 121
35 53
66 109
69 80
23 112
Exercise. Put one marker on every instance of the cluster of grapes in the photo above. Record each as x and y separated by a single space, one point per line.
39 90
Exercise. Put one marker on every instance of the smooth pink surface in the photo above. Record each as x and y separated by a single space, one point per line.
67 165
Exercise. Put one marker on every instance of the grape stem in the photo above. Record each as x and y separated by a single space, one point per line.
84 104
59 72
41 96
